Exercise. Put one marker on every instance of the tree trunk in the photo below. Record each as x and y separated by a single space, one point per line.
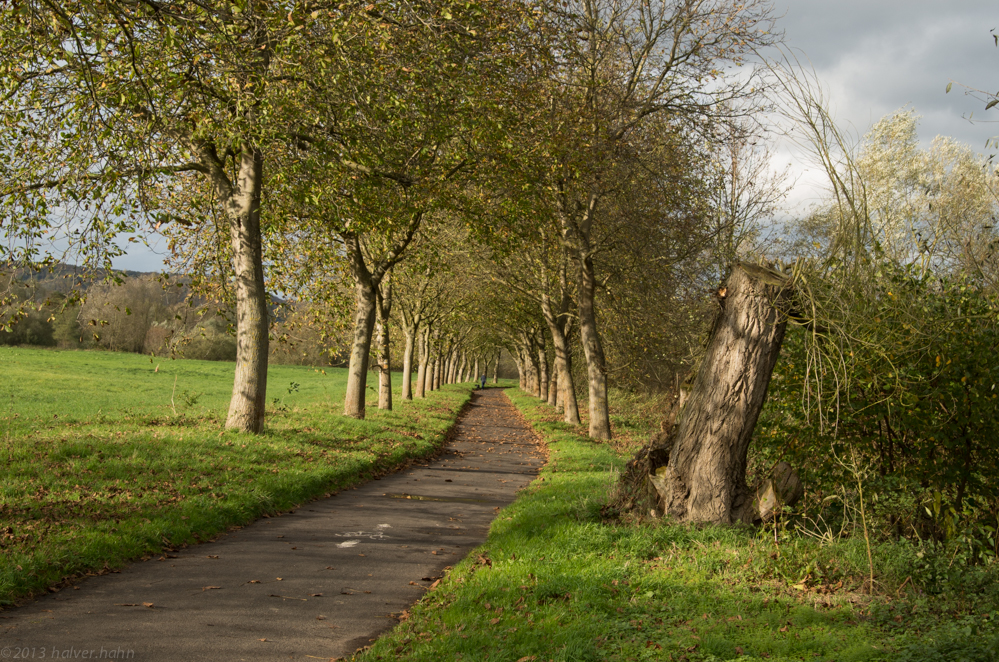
553 389
567 392
542 373
566 396
518 359
357 369
533 373
445 363
249 388
705 477
384 310
421 375
407 364
499 353
452 364
433 374
596 372
438 367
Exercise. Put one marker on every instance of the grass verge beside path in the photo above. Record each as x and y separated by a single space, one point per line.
98 468
555 582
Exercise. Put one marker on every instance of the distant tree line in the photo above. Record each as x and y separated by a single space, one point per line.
147 314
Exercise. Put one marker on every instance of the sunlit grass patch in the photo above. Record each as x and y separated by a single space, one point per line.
95 473
556 582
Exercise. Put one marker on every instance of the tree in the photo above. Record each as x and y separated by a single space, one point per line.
110 101
383 306
704 476
391 147
121 315
879 297
429 286
898 294
532 260
619 63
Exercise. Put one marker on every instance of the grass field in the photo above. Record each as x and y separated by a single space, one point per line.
106 457
556 582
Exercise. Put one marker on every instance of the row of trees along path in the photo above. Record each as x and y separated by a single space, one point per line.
323 150
559 181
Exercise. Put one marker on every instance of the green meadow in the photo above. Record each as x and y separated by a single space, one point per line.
107 457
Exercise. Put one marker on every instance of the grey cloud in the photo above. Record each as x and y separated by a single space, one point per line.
876 57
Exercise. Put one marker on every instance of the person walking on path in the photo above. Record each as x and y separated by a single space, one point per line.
482 381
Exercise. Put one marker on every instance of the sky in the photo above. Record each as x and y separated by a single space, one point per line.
872 58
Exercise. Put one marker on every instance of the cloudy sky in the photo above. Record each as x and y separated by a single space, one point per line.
876 56
872 57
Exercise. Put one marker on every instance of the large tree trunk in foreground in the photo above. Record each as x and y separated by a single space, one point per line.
249 388
705 477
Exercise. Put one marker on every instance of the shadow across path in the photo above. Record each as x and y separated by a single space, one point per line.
314 584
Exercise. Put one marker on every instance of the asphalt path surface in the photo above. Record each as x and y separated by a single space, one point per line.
318 583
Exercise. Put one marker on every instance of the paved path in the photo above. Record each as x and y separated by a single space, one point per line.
315 584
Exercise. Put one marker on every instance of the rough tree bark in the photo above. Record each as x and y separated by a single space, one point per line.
705 477
242 206
364 324
596 364
499 353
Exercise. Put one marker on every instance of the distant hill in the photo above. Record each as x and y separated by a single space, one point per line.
64 277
